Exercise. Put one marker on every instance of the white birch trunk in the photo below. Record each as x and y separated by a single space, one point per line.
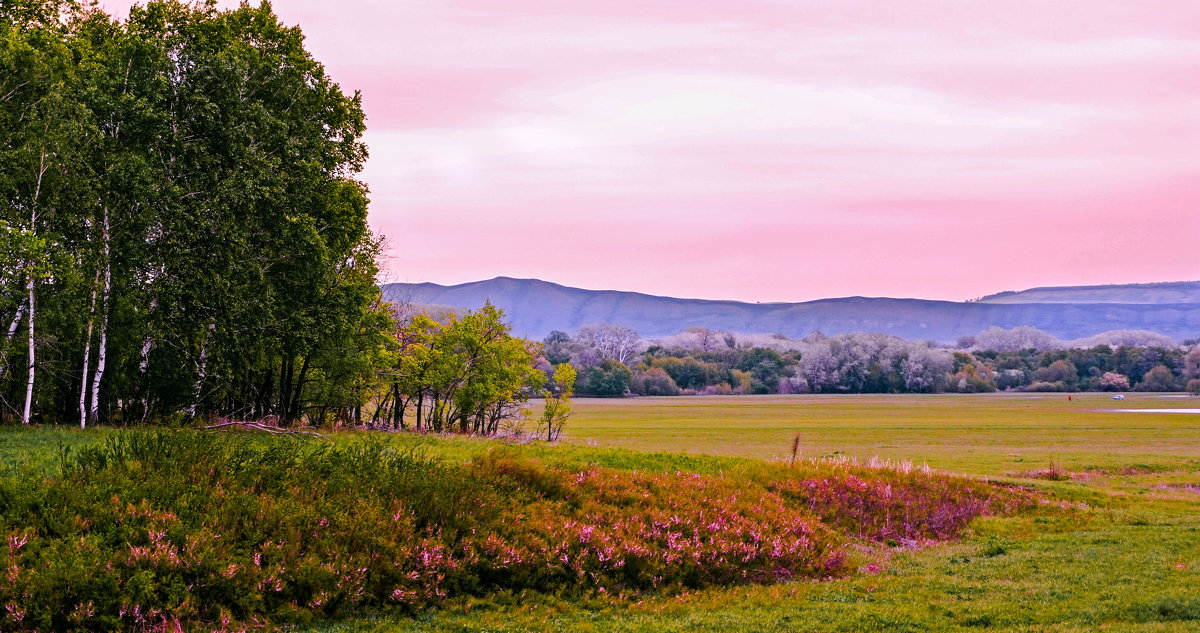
102 349
87 352
201 369
12 331
32 359
12 327
30 285
144 363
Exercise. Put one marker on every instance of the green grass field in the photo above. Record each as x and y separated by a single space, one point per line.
1114 547
984 434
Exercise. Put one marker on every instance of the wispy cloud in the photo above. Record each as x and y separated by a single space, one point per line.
777 150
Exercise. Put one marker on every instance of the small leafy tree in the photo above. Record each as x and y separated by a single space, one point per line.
1159 378
654 381
1112 381
467 374
557 395
557 347
1191 363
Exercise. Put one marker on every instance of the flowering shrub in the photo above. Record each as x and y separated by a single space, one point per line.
898 505
162 530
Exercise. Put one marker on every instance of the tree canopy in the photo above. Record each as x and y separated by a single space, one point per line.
182 226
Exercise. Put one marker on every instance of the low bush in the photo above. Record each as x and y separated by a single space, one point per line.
890 504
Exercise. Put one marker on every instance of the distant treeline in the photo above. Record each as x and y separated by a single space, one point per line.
613 361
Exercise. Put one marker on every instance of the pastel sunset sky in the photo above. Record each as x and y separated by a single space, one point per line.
776 150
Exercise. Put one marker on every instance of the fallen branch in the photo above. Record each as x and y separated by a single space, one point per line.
258 426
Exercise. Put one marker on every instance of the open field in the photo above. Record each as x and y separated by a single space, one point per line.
978 434
1115 545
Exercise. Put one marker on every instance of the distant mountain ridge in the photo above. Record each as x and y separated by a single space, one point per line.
1156 293
536 307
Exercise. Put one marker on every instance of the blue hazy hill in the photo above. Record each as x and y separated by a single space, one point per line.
536 307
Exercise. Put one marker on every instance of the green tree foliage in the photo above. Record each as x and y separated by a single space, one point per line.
557 401
466 375
609 378
690 373
557 347
653 381
183 230
878 363
1061 372
1159 378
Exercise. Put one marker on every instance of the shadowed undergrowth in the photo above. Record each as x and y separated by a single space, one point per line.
153 529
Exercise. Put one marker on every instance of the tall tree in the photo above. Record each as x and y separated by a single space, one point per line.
40 122
181 215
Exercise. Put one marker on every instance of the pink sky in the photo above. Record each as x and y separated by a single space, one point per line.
776 150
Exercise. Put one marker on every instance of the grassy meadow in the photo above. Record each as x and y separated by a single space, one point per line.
1111 540
976 434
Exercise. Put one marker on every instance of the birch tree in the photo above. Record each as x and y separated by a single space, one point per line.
39 121
181 217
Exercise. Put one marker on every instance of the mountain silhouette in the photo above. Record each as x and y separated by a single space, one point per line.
536 307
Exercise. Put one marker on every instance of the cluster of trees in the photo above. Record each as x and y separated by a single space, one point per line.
707 362
700 361
1099 368
181 228
1025 337
465 374
183 234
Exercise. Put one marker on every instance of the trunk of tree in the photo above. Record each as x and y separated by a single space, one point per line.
87 353
143 390
25 415
381 411
398 408
30 285
12 327
298 390
143 366
12 331
102 349
201 369
285 388
266 393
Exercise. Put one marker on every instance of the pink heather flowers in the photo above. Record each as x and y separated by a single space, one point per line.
403 540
